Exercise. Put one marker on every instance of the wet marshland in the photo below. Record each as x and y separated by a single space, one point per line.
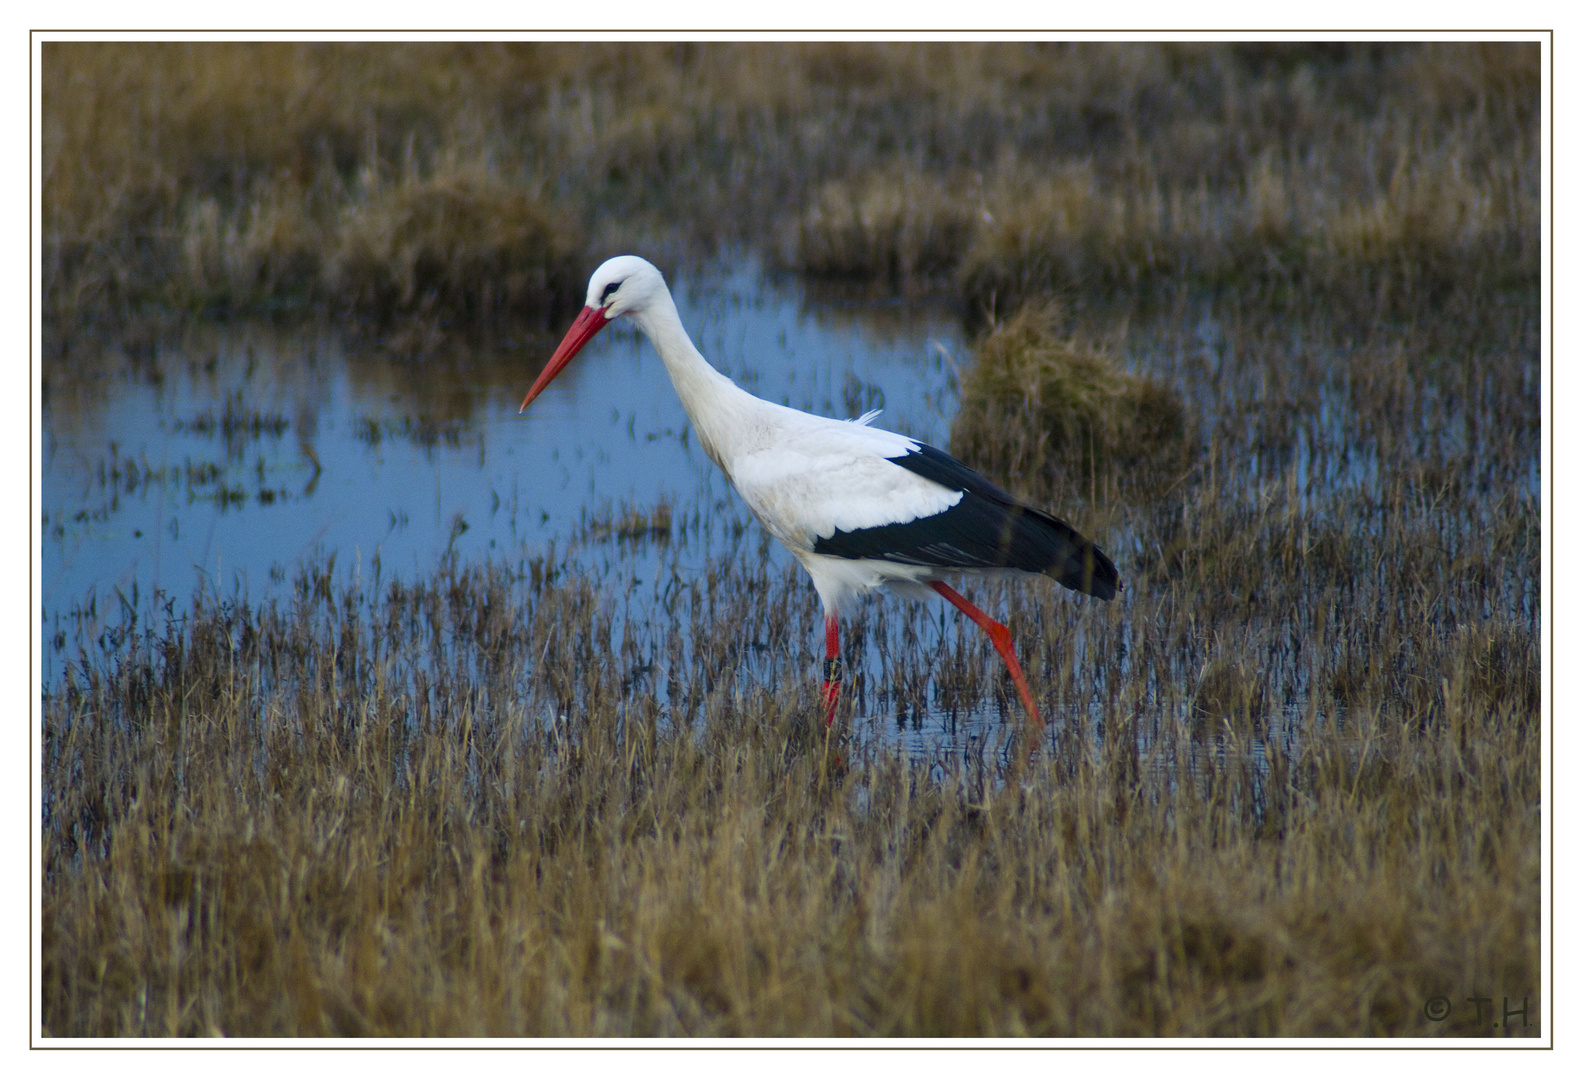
373 708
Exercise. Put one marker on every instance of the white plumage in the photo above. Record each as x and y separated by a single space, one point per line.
861 508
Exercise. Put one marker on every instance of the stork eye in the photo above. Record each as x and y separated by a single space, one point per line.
604 297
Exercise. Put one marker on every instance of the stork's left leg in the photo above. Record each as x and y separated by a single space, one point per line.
832 668
1000 636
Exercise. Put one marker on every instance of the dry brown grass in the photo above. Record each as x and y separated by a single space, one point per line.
1036 405
901 231
242 176
238 177
1369 175
462 243
447 811
1296 220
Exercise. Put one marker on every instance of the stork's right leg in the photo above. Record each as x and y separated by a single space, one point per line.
832 668
1000 637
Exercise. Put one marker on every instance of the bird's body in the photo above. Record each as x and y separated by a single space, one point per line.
860 508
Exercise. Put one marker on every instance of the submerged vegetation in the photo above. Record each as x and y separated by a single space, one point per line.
1263 320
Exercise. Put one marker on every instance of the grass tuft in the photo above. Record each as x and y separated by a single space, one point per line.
1229 694
463 244
630 524
903 230
1035 402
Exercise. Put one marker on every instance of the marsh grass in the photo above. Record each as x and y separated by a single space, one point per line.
900 230
461 808
457 244
1292 785
629 524
1371 178
457 181
1301 221
1035 403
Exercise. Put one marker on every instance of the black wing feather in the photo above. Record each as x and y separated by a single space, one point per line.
987 529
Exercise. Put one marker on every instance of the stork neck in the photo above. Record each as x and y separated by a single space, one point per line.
702 389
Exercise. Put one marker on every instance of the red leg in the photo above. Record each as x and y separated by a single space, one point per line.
832 668
1000 636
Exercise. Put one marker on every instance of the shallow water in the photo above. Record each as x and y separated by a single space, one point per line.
231 458
241 453
255 451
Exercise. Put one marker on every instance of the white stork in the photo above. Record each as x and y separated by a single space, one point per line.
859 507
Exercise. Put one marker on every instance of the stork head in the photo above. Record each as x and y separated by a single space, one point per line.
623 285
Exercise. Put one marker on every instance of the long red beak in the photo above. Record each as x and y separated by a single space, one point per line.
590 322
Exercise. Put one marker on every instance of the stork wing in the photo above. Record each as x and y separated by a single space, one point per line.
838 489
835 479
987 528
